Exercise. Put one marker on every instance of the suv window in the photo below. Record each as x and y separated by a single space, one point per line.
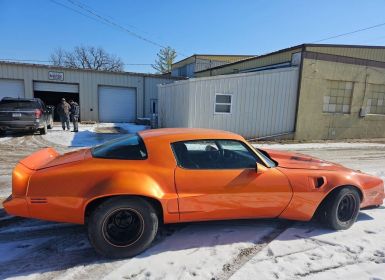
214 154
19 104
129 147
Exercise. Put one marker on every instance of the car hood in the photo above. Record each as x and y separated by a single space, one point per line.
300 161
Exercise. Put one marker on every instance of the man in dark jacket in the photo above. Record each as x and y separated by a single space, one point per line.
63 109
75 113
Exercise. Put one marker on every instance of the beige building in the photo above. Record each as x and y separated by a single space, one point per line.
198 62
340 89
103 96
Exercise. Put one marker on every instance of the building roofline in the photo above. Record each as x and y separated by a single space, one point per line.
214 55
303 46
53 67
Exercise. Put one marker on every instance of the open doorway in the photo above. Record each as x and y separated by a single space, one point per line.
54 98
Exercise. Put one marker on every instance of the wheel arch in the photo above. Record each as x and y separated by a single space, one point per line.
332 192
92 204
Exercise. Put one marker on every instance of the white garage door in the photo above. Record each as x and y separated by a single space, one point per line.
11 88
117 104
55 87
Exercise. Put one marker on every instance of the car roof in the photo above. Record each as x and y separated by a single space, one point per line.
184 134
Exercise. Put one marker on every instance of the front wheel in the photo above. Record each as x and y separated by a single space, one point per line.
122 227
341 209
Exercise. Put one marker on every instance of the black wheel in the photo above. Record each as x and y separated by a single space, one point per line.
43 130
341 209
2 132
50 124
122 227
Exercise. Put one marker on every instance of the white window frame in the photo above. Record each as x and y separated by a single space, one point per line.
231 104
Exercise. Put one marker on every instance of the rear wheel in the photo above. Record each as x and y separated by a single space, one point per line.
122 227
341 209
50 124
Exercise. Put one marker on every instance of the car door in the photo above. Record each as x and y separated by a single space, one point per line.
217 179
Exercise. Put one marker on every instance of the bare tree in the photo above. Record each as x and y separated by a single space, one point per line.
166 57
87 58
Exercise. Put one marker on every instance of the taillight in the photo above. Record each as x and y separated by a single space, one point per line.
38 113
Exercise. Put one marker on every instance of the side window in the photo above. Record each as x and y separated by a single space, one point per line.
214 154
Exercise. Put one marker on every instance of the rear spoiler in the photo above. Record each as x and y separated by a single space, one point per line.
39 158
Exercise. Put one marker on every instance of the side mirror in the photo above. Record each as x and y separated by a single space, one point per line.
260 168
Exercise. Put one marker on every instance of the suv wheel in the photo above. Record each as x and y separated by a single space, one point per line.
50 125
43 130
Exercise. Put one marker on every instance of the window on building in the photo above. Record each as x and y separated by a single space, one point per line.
223 103
375 103
339 97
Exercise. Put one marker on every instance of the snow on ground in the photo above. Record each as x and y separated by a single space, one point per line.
88 134
241 249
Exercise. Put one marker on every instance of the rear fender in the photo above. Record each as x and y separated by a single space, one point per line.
135 184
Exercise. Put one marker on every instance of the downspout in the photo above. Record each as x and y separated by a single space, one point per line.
303 51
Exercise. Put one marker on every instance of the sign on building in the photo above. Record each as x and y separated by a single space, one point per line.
56 76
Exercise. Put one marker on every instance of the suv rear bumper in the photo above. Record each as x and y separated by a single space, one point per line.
21 125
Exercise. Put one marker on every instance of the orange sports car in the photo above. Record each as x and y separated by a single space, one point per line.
123 189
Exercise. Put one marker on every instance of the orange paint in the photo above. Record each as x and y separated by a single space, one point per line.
56 187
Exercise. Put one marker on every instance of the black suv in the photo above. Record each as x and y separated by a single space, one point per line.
29 114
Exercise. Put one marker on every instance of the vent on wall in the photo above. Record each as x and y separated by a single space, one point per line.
38 200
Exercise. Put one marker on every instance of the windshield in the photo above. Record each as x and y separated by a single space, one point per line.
263 154
128 147
18 104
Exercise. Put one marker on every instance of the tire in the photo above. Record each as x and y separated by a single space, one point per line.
50 125
110 223
341 209
43 130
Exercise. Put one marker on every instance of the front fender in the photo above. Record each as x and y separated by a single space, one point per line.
308 195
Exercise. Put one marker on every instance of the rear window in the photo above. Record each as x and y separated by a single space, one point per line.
19 104
128 147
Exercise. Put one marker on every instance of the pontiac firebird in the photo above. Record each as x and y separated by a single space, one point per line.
124 189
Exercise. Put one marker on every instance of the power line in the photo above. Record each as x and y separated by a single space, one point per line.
49 61
109 22
349 33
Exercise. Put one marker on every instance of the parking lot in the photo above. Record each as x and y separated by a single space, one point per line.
246 249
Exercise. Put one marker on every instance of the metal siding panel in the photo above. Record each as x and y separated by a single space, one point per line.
264 102
11 88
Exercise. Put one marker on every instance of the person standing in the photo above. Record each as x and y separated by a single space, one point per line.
75 113
63 109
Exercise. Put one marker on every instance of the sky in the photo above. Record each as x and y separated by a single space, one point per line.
32 30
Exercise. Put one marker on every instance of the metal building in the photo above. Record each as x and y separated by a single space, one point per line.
340 93
253 104
103 96
198 62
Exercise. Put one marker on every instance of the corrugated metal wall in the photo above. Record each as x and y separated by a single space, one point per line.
250 63
151 91
264 103
174 105
88 82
